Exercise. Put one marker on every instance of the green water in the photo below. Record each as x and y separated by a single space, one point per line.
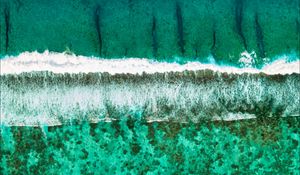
163 30
133 147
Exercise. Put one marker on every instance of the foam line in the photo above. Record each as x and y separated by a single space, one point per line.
66 63
43 121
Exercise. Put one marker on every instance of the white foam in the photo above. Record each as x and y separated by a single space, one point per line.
66 63
42 121
247 59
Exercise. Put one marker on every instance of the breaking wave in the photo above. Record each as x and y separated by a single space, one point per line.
57 88
69 63
45 98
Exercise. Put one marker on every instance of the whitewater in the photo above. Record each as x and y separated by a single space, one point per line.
70 63
57 88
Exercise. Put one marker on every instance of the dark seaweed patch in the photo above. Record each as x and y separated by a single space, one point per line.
180 28
97 18
19 4
154 37
297 26
255 140
259 38
7 26
213 46
239 10
130 4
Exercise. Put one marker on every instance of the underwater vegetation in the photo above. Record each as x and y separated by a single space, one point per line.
133 147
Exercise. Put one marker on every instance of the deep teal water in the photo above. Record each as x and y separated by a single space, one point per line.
163 30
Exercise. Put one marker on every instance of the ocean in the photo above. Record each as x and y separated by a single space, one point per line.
150 87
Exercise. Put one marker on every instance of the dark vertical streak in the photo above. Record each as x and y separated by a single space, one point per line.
154 37
259 38
98 27
7 27
239 7
130 4
126 52
297 26
298 35
180 27
19 4
213 46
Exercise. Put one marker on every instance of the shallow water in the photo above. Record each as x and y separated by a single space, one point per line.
135 147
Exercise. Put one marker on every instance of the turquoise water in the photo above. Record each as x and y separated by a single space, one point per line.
183 122
133 147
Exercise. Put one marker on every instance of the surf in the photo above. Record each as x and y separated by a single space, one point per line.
71 63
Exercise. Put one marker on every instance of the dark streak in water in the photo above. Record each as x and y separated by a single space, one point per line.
298 34
154 37
180 28
19 4
130 4
297 26
98 27
259 38
7 29
239 7
213 47
126 51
